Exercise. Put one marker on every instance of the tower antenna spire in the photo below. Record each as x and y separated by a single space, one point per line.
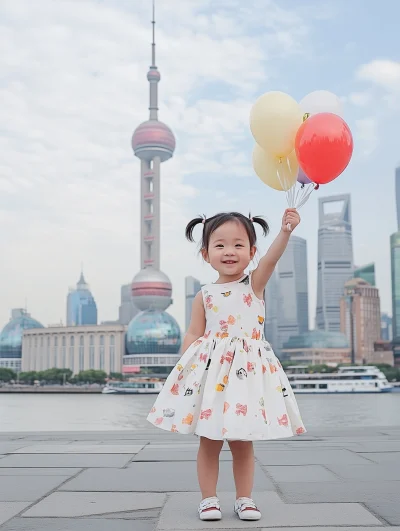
153 44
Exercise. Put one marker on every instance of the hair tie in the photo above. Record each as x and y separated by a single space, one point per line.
252 220
203 221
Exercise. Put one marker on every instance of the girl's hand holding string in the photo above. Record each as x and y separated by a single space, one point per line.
290 220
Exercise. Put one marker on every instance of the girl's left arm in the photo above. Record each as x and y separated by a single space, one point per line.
265 268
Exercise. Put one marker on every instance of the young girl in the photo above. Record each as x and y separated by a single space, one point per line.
229 385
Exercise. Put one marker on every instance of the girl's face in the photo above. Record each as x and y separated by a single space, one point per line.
229 250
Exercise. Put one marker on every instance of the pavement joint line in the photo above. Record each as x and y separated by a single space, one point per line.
38 500
377 516
125 467
326 467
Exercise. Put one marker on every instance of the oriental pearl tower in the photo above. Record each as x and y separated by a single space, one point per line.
153 331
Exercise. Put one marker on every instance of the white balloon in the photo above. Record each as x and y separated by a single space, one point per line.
322 101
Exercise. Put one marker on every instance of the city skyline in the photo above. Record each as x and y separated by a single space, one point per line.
68 193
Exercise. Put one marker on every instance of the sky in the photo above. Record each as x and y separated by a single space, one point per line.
73 88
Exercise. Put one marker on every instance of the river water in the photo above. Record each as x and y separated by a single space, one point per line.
23 412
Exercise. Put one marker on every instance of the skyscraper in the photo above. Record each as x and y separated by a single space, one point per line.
361 318
335 259
81 306
293 291
397 186
192 287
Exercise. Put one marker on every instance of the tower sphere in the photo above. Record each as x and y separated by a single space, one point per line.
153 139
151 290
153 75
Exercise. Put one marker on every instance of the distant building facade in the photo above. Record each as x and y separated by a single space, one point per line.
386 327
78 348
395 270
335 259
293 291
360 313
367 273
127 310
81 306
383 353
192 287
317 347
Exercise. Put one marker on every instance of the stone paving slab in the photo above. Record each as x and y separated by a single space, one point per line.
310 457
28 488
38 472
373 472
388 510
9 447
173 455
156 477
81 449
8 510
386 457
65 461
336 528
180 513
380 446
341 491
299 473
77 524
76 504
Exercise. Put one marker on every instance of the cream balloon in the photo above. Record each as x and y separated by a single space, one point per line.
322 101
267 168
274 121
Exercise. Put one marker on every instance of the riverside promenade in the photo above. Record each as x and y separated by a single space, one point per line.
339 479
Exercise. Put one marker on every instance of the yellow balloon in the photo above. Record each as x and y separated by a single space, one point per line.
274 121
267 167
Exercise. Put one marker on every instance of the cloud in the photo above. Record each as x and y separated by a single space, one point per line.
74 88
382 72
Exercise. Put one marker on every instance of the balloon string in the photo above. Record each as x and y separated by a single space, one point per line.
284 184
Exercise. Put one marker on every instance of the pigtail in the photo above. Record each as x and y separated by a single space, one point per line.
190 227
260 221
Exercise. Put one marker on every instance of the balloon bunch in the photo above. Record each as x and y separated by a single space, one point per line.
308 143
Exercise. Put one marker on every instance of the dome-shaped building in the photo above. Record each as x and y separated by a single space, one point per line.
11 338
152 343
81 306
153 332
151 290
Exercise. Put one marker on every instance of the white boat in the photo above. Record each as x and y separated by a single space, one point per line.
355 379
132 388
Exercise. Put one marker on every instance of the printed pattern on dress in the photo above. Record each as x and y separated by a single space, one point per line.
229 384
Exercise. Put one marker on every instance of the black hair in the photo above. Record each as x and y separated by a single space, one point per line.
211 224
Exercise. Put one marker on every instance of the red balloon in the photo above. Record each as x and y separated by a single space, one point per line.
324 145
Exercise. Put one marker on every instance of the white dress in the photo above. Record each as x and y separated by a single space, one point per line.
229 384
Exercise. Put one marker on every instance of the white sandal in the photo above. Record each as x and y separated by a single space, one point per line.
246 509
210 509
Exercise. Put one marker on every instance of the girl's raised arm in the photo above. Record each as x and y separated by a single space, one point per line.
268 262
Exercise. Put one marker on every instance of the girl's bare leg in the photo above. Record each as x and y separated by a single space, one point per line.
208 466
243 467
